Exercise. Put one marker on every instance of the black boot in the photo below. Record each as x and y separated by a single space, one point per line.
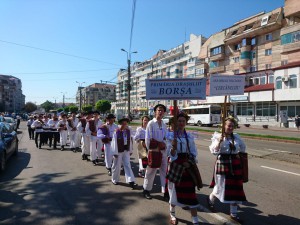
147 194
83 157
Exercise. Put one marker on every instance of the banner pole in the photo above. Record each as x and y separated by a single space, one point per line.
224 113
175 119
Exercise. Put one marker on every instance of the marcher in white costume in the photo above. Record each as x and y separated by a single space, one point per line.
63 133
105 133
122 149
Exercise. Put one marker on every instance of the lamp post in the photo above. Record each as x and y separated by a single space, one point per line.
63 105
129 77
80 96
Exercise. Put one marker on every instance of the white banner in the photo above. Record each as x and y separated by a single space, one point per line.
226 85
177 89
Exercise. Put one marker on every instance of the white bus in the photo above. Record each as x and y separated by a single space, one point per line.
204 114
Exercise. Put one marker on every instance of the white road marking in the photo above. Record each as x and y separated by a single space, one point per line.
216 216
283 171
278 150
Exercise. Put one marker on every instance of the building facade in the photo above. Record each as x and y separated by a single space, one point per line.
94 92
11 96
178 62
266 49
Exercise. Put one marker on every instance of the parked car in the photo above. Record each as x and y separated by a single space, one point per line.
12 122
8 144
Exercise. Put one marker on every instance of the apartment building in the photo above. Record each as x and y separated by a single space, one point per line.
178 62
265 48
11 96
94 92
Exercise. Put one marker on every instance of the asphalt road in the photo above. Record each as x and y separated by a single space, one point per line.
54 187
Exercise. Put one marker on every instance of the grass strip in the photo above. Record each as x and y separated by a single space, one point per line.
241 134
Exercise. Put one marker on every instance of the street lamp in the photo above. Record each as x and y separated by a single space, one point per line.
80 96
63 105
129 77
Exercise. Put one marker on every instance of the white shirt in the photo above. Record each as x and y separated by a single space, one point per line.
153 130
111 129
140 134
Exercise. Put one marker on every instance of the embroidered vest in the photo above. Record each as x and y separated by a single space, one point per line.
70 123
92 126
83 122
120 140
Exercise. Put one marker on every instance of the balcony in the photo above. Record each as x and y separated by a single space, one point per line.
219 56
289 48
290 39
217 69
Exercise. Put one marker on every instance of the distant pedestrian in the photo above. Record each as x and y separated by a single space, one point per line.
18 121
297 121
30 130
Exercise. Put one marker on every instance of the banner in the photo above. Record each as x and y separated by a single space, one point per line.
176 89
227 85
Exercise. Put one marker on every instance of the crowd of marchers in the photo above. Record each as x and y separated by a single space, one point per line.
171 150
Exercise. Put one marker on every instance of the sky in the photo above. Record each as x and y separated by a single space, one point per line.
51 44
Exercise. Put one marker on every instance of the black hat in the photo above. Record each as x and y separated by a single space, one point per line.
160 105
110 116
90 112
96 112
123 119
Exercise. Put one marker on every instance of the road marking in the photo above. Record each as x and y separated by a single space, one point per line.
283 171
215 215
277 150
206 139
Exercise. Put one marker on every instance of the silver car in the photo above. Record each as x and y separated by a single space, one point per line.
11 121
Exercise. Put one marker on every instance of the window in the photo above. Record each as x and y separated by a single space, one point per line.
214 64
278 82
268 51
252 68
244 109
236 59
244 42
265 109
269 37
284 62
237 47
186 47
216 51
268 66
236 72
290 38
271 79
253 54
234 32
256 80
253 41
293 81
263 80
264 20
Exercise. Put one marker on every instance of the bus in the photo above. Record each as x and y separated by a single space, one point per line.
204 114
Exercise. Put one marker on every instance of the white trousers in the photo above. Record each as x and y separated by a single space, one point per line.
63 137
123 157
108 155
85 149
72 137
151 172
95 147
78 139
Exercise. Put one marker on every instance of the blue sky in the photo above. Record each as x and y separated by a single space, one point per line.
97 30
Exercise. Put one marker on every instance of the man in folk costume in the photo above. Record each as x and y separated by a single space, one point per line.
155 140
38 125
85 148
78 134
106 132
91 129
63 133
72 130
52 124
122 149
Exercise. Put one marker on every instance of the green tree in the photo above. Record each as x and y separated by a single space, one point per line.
73 108
60 109
67 109
30 107
47 105
87 108
103 106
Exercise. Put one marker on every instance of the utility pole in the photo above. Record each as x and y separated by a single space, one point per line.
129 78
63 105
80 95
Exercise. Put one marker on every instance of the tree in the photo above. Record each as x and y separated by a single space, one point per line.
47 105
60 109
67 109
73 108
30 107
87 108
103 106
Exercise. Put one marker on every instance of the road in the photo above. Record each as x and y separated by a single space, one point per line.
54 187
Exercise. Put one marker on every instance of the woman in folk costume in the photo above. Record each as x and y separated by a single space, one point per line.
91 129
85 148
227 182
122 149
105 133
139 137
63 133
183 153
